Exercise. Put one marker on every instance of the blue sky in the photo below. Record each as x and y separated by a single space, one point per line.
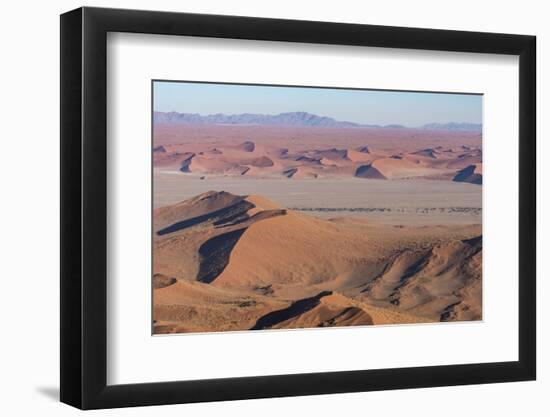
360 106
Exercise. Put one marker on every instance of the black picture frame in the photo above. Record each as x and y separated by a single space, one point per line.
84 207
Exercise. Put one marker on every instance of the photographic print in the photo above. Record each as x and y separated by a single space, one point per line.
287 207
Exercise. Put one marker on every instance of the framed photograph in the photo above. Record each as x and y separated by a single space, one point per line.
259 208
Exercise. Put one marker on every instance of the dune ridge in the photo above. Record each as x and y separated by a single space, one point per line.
269 152
225 262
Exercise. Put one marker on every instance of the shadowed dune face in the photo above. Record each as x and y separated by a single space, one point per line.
226 262
279 152
215 253
247 146
368 171
317 311
226 214
297 308
472 174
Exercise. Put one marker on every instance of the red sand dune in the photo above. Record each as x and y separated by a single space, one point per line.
227 262
315 153
472 174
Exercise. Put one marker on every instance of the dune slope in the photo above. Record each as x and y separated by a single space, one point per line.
313 153
226 262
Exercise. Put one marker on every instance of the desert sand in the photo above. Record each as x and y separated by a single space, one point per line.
261 227
226 262
408 202
298 153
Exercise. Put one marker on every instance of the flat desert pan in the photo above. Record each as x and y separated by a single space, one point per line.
412 202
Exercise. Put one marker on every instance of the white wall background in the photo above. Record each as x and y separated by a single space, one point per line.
29 221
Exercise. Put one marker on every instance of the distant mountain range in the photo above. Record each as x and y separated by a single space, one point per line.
295 119
458 127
